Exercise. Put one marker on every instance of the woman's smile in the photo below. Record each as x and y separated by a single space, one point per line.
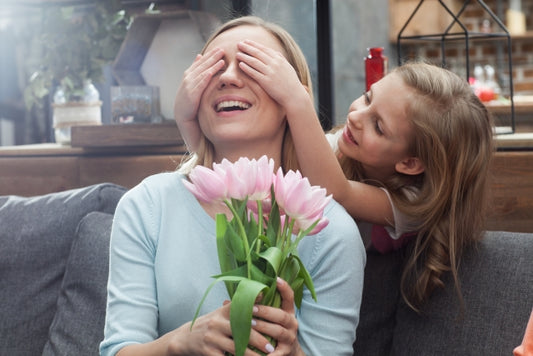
229 103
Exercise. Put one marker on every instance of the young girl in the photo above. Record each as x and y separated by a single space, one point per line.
413 159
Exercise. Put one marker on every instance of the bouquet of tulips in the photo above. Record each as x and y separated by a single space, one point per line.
271 213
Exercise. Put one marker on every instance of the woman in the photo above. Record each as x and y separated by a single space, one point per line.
163 248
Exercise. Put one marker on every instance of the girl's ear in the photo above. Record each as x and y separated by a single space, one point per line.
410 166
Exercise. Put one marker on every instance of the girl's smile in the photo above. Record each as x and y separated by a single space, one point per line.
347 136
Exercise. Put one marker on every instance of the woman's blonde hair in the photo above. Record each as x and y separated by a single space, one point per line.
294 55
452 136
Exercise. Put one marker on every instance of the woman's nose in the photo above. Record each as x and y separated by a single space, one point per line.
231 76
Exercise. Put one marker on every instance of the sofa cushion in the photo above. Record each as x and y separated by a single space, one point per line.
496 282
36 236
381 295
78 325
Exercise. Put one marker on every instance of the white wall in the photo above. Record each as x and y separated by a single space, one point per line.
7 132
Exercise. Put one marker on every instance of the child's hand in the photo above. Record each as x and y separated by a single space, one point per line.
271 70
195 80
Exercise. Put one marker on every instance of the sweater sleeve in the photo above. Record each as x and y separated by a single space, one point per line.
131 284
335 259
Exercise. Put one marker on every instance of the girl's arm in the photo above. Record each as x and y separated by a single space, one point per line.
195 80
317 160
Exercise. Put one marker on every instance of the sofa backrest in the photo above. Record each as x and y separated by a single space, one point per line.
36 239
497 286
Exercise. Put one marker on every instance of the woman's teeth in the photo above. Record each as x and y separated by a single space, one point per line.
231 105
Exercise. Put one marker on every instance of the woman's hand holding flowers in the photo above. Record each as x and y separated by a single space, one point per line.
280 323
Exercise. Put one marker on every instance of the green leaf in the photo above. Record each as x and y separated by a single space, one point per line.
274 222
290 270
226 262
298 288
265 240
269 297
241 313
240 207
303 273
274 257
252 229
240 271
234 243
260 276
218 279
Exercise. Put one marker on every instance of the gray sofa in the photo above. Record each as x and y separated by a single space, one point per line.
53 272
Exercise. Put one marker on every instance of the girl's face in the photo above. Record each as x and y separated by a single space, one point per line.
235 113
378 131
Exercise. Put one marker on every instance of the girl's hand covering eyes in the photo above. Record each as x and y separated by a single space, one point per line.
271 70
195 80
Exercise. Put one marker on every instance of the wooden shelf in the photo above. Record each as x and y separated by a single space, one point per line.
526 36
126 135
520 107
419 39
522 140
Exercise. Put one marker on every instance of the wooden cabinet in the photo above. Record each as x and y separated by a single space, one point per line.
121 154
40 169
511 192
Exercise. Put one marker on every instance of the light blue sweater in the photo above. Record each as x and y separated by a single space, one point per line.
163 254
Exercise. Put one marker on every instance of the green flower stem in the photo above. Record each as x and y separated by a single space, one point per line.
286 237
259 224
244 239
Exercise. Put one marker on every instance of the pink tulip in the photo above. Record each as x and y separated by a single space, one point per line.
243 179
248 178
301 201
206 185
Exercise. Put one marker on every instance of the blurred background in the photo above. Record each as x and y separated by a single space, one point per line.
117 45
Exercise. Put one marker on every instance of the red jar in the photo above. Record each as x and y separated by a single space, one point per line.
375 66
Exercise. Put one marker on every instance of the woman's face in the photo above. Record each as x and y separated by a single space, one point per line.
378 131
235 113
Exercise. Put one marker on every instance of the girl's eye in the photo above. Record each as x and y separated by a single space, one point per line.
378 129
366 95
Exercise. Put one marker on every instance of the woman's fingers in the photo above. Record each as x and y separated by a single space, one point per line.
278 323
287 295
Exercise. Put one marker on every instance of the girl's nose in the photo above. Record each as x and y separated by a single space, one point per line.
356 120
231 76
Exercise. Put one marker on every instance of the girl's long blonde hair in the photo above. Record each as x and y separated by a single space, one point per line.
452 136
294 55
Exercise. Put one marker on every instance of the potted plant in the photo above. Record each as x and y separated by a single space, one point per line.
77 41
